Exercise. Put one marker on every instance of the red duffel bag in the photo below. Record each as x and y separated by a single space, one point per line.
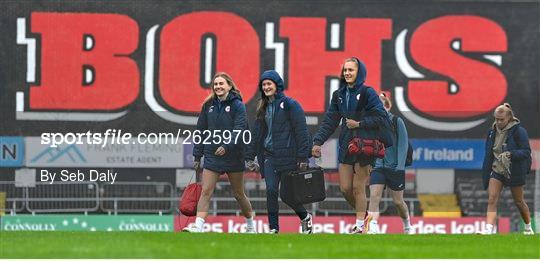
190 198
367 147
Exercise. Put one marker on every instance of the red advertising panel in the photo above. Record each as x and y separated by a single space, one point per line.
343 224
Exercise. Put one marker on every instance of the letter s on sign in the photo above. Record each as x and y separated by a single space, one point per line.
438 45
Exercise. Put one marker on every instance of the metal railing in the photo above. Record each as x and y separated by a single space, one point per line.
216 206
85 197
138 197
63 197
145 197
14 197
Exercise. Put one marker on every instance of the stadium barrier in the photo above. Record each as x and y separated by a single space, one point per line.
138 197
90 197
14 199
153 197
79 196
235 224
150 197
155 223
2 202
342 224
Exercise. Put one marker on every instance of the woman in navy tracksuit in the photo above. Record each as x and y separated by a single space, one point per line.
343 109
222 111
281 144
507 161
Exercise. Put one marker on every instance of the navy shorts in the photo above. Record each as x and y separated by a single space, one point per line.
395 180
361 159
513 181
221 172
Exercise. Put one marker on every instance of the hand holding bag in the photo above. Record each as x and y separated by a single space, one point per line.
368 147
304 187
373 146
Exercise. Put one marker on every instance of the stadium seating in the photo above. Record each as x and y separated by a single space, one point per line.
439 205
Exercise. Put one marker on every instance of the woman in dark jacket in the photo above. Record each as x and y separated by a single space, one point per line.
222 111
507 161
353 170
281 144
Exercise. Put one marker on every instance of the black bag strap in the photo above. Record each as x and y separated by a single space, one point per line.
394 122
196 175
395 127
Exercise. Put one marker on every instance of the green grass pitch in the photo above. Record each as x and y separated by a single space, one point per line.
213 245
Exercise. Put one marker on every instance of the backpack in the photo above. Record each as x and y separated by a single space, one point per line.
409 159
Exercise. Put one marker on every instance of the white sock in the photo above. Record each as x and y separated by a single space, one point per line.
489 227
406 222
528 226
359 223
307 217
374 226
249 222
199 222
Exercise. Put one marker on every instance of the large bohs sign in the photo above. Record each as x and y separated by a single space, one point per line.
93 66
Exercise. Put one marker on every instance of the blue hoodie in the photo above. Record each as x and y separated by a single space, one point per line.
217 115
373 116
289 134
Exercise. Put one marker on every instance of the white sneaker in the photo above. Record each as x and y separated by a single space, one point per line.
367 225
273 231
488 230
307 225
356 230
373 228
250 230
528 232
408 231
192 228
